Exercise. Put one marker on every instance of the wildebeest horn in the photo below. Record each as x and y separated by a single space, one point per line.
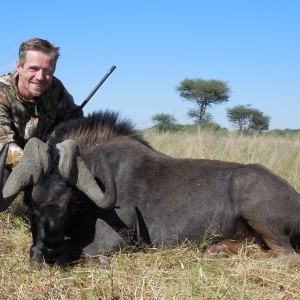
72 167
33 163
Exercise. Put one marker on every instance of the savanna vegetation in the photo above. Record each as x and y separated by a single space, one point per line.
181 273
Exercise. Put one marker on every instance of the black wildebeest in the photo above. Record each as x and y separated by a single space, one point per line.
149 197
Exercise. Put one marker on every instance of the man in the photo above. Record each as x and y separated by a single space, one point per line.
32 100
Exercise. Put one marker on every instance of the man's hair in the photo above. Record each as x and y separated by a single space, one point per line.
37 45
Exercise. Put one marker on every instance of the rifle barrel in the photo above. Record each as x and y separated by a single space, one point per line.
97 87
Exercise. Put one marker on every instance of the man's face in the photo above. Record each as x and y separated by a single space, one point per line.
35 76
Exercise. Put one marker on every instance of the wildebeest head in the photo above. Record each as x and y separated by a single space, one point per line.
53 172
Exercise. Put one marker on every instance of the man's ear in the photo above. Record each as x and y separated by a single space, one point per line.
18 65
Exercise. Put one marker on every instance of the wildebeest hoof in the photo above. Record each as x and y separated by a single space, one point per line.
222 249
38 262
103 262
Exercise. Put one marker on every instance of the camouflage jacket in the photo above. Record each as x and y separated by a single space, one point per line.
22 119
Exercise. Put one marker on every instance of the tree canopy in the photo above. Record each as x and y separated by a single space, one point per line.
204 93
248 119
163 121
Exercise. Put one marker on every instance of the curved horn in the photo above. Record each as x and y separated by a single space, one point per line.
33 163
72 167
3 156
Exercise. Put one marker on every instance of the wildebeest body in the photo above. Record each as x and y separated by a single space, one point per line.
162 200
184 199
165 201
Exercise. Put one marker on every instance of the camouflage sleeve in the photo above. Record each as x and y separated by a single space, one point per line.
6 132
67 103
69 100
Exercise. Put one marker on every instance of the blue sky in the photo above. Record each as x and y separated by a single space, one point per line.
253 45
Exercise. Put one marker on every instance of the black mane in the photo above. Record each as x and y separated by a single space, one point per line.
105 123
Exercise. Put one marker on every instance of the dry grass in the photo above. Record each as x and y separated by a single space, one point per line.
181 273
279 154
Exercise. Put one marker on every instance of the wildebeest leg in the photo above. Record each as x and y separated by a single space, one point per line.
143 232
267 232
275 237
277 240
281 245
269 205
97 231
36 250
37 231
48 246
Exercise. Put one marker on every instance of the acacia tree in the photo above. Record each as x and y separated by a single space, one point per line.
204 93
163 121
207 120
248 119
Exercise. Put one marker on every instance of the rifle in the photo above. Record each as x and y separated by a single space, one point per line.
74 113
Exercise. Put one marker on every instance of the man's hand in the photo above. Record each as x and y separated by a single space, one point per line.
14 154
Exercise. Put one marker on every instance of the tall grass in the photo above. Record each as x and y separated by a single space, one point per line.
179 273
279 154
